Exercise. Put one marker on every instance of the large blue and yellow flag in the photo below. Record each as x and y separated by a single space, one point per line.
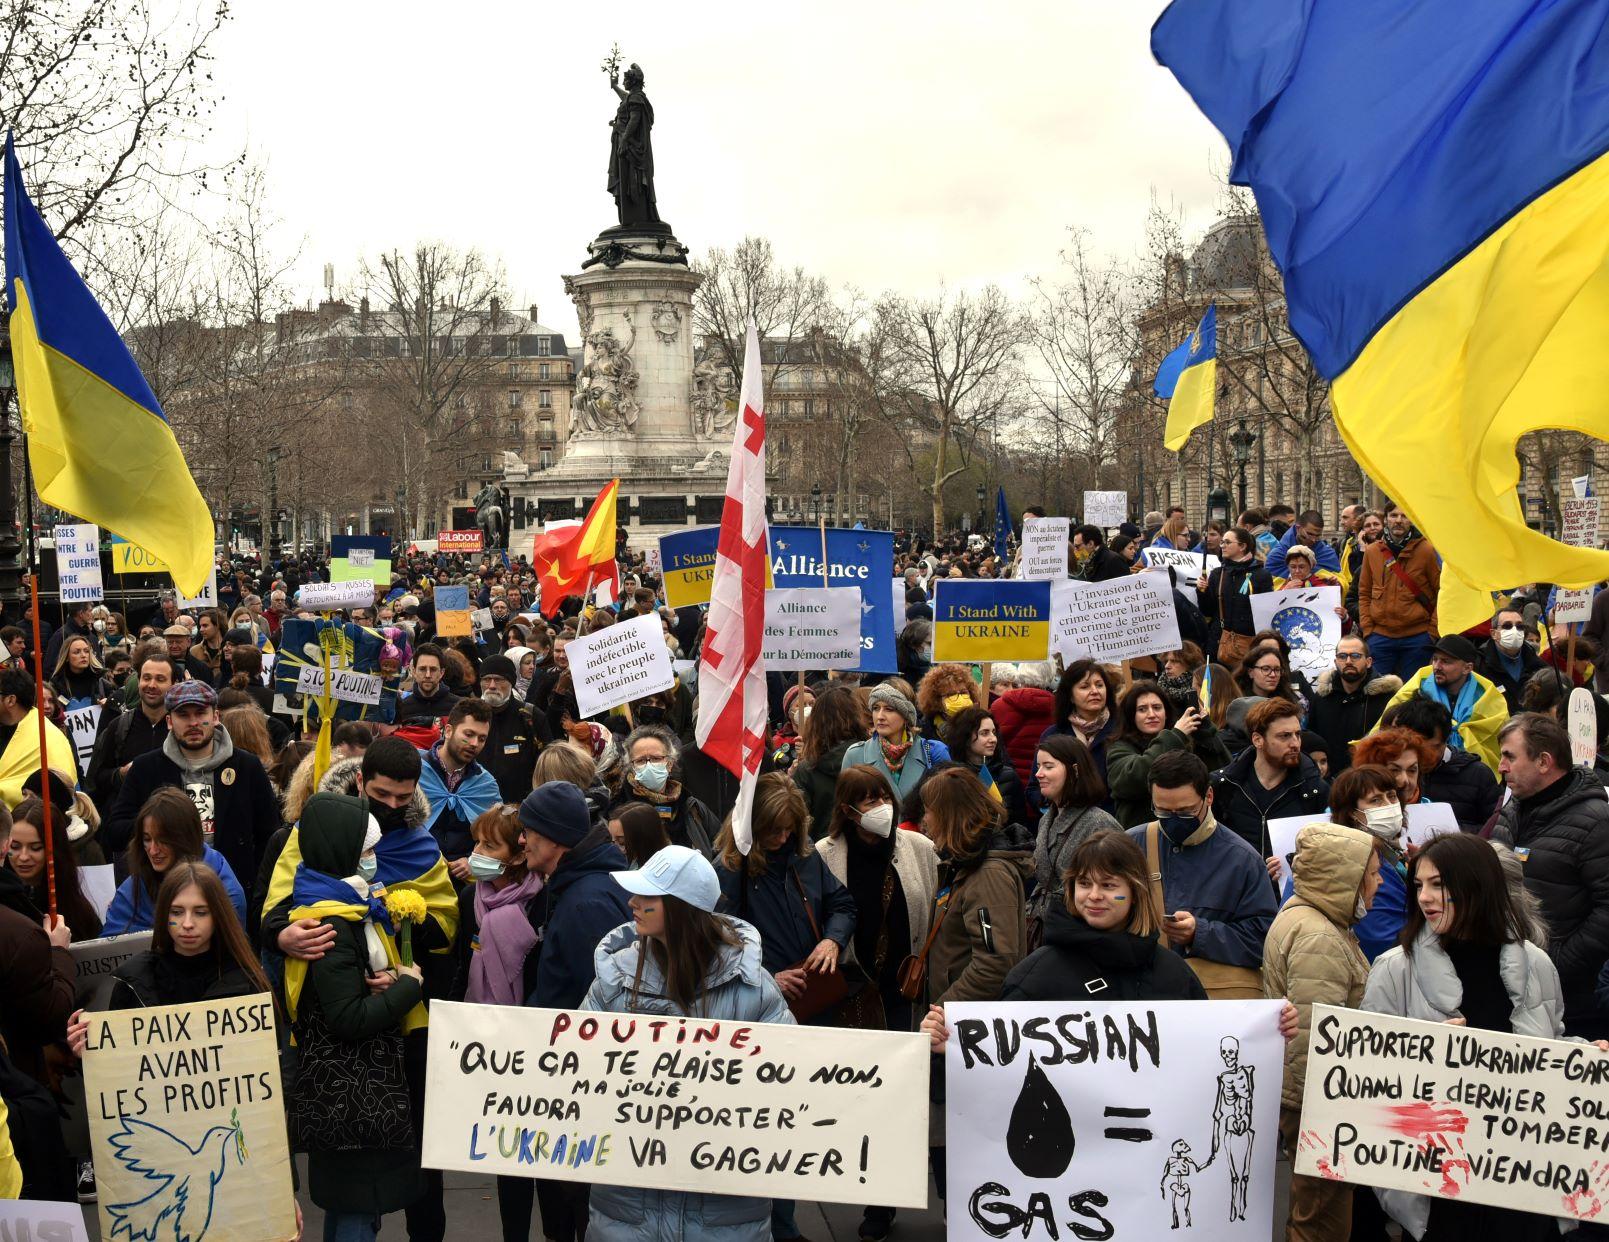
99 445
1433 183
1188 378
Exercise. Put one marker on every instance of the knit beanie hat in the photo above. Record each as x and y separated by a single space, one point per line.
889 697
557 811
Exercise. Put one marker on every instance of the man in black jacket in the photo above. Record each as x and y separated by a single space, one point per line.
1458 777
1271 779
1506 659
1347 701
123 738
1558 821
1096 562
430 699
516 734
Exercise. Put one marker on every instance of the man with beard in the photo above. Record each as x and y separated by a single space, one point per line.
1397 596
1271 779
430 699
1477 707
1348 700
123 738
515 733
458 789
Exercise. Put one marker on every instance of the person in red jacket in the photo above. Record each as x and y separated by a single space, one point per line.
1023 713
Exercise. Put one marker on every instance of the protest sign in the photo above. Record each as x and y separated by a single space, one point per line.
346 684
208 597
1186 566
360 556
726 1108
82 722
1305 618
1106 509
452 611
619 663
1114 620
1573 604
98 883
1044 548
991 619
353 654
897 599
1282 840
688 557
1428 819
36 1220
187 1122
1081 1111
78 563
854 558
1579 528
130 558
460 540
95 960
335 596
1455 1112
812 627
480 620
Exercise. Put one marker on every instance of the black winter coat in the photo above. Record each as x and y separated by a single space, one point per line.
819 782
1104 565
1341 716
1223 600
514 739
582 905
1466 784
1567 867
1303 792
1490 666
1078 963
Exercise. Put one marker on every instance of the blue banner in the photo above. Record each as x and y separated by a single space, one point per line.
351 647
862 558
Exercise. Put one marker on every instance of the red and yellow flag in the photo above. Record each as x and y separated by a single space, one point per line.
573 559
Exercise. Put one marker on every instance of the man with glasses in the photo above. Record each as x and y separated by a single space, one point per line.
1347 700
1506 658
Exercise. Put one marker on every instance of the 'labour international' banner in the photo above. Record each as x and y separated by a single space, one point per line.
1113 1120
711 1107
187 1123
360 556
854 558
1456 1112
991 619
460 540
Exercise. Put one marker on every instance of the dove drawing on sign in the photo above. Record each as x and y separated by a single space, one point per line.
183 1180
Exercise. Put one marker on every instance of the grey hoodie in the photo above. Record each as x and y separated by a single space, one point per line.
197 778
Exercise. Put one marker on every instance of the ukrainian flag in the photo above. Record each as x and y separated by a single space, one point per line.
1188 378
99 445
1433 179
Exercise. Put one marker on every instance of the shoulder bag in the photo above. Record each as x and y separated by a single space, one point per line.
823 989
913 970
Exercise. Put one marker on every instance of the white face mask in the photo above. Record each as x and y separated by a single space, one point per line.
1511 640
879 821
1384 822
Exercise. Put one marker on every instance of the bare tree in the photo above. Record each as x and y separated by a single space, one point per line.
747 282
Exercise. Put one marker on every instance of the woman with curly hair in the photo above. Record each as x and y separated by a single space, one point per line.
945 691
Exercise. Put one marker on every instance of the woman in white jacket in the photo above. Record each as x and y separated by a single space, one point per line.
1464 959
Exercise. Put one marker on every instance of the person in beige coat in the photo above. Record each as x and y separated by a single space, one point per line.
1312 958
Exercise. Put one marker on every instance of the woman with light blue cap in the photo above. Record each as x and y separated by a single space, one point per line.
678 958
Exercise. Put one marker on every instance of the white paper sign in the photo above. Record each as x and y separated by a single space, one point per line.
360 558
1106 509
1121 1118
1455 1112
1044 548
208 597
1282 840
898 600
1114 620
1305 618
1583 726
812 627
1429 819
1572 605
619 663
784 1111
336 596
1187 567
654 564
35 1220
345 684
78 563
95 960
1579 519
481 619
98 883
82 722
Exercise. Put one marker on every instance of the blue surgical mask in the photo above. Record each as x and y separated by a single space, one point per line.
368 865
1180 828
652 775
485 867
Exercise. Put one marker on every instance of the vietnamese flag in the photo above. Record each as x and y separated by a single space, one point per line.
572 559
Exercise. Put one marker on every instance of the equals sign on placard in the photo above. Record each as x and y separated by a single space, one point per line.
1129 1134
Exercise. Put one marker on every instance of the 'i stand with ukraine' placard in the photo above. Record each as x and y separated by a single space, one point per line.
982 621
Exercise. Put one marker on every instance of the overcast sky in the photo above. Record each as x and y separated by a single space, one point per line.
888 145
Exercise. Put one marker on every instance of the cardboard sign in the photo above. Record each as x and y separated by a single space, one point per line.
336 596
812 627
1573 604
988 619
346 684
1579 522
82 723
187 1122
791 1112
452 611
129 558
1115 620
460 540
1455 1112
1044 548
360 556
1106 509
95 960
1305 618
618 664
1425 820
35 1220
1583 726
208 597
78 563
1116 1120
854 558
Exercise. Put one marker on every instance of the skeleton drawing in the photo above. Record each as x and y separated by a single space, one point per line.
1176 1171
1231 1123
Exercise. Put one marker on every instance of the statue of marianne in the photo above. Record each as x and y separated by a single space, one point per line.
631 152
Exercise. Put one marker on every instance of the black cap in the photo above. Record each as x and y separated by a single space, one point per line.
1458 647
499 666
240 636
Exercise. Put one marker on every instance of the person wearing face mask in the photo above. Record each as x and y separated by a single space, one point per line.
943 693
1507 660
516 733
652 754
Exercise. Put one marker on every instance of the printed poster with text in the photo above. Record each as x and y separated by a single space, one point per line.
1113 1120
187 1123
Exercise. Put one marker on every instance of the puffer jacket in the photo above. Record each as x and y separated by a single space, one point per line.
1567 867
738 990
1425 985
1304 792
984 911
1061 831
1341 717
1311 956
1118 965
1464 783
1021 715
1385 605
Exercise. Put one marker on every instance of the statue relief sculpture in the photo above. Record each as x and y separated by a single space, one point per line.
667 320
606 390
714 409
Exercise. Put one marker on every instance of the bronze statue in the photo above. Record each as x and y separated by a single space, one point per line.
631 153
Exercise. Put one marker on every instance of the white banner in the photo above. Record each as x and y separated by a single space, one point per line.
1044 548
619 663
1455 1112
1120 1120
1186 566
1114 620
78 563
208 597
1579 519
714 1107
1428 819
812 627
95 960
1106 509
345 684
36 1220
1305 618
82 722
98 882
187 1122
1573 604
336 596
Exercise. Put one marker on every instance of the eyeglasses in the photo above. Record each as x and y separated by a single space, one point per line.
1510 625
1266 668
1199 812
1351 655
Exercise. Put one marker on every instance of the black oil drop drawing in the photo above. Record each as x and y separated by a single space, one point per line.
1039 1139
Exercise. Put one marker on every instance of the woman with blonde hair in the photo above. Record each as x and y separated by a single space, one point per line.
566 761
248 730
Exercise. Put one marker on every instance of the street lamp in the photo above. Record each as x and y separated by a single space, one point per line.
271 518
10 545
815 502
1241 444
401 528
982 516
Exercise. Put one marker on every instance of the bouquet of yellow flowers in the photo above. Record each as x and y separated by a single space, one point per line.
406 908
